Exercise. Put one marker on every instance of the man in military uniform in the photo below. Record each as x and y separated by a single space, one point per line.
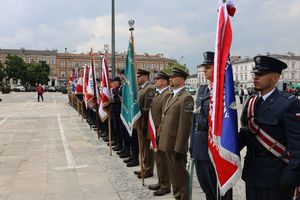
199 136
115 110
174 132
271 132
125 152
146 95
157 107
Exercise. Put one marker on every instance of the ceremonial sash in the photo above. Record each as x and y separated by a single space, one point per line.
152 132
272 145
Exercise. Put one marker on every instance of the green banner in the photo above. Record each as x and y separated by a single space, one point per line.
130 110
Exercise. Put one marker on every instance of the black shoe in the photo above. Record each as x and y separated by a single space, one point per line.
125 155
146 175
137 172
105 139
117 148
113 143
103 135
120 152
133 163
161 192
154 186
127 160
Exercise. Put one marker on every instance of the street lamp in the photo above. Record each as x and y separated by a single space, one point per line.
131 24
113 37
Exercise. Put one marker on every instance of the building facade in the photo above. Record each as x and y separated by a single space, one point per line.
243 77
35 56
242 68
62 64
192 81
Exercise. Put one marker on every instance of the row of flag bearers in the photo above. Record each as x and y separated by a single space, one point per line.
153 124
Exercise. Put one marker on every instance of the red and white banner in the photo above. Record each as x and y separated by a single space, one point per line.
79 86
222 135
152 132
105 93
86 96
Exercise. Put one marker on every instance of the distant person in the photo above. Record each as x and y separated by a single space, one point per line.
246 93
241 94
40 91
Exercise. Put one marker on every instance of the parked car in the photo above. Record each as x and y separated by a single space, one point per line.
191 90
20 88
51 89
13 87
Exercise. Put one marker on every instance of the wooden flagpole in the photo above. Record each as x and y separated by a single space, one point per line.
109 133
139 131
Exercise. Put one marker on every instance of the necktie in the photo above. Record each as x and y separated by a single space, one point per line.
258 102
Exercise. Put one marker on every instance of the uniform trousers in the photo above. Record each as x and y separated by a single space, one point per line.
207 179
148 154
258 193
134 145
178 175
162 170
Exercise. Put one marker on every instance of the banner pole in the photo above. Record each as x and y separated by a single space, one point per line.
109 134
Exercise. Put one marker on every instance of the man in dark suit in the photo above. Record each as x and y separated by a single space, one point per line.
115 110
125 152
157 107
174 132
199 136
271 132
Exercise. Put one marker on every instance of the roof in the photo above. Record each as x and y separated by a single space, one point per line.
28 52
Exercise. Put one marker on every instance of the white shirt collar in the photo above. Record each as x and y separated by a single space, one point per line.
177 90
144 85
267 95
162 90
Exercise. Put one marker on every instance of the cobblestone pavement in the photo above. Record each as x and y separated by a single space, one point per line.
48 153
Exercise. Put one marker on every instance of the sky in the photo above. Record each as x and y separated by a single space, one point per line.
179 29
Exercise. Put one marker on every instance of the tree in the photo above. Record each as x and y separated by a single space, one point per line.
38 73
171 65
16 68
2 72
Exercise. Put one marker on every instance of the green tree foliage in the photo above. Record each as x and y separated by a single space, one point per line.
2 72
16 68
171 65
38 73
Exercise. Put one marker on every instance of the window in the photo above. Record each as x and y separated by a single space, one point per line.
237 68
31 60
140 65
293 75
246 78
242 77
293 65
63 75
47 61
52 61
161 66
236 77
63 64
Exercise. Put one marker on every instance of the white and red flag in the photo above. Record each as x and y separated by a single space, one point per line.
105 93
79 86
152 132
85 81
90 90
223 135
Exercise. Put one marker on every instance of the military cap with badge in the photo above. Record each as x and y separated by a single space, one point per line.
162 75
179 72
143 72
266 64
